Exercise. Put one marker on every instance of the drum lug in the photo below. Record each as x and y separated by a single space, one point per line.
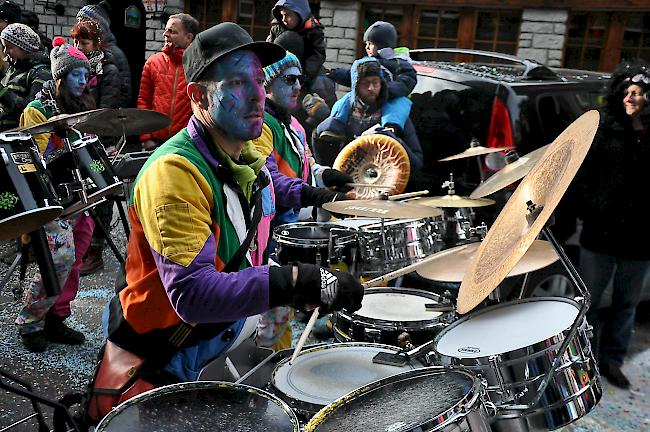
371 334
494 361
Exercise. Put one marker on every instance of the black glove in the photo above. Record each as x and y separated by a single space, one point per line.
315 285
312 196
337 180
315 107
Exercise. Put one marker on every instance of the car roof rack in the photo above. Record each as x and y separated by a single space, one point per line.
532 68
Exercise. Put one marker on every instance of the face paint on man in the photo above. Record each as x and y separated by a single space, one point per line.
285 89
76 80
236 102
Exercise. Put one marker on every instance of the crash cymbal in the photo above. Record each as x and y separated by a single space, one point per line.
382 209
455 201
453 263
125 121
509 173
61 122
534 199
474 151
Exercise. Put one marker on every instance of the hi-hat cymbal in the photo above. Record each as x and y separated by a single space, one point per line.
455 201
127 121
453 263
534 199
474 151
382 209
509 173
61 122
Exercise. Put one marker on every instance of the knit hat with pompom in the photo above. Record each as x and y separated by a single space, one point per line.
65 57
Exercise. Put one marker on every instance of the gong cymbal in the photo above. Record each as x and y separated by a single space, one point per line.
534 199
453 263
61 122
125 121
382 209
509 173
455 201
474 151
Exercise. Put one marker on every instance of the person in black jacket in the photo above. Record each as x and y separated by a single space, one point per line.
610 187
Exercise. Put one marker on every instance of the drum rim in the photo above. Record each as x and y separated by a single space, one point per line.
309 408
471 315
308 243
476 392
197 385
406 325
393 223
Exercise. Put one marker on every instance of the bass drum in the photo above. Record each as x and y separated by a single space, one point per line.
423 400
201 406
27 198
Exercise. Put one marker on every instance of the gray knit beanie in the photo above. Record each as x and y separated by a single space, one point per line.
22 36
65 57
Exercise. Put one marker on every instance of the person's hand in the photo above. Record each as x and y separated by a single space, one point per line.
149 144
331 289
316 107
337 180
317 196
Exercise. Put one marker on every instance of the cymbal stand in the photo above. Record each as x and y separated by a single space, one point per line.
107 236
475 143
122 119
534 210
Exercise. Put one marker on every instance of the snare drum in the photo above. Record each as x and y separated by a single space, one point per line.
513 345
388 312
323 243
422 400
201 406
324 373
27 197
95 169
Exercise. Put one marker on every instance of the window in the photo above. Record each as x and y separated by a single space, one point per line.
497 31
585 40
437 29
636 37
255 17
208 13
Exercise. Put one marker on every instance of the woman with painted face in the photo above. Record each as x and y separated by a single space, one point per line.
40 320
610 187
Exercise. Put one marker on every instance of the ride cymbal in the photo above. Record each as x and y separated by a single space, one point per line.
381 209
125 121
527 211
61 122
453 263
474 151
509 173
455 201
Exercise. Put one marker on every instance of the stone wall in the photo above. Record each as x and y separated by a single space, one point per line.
156 28
52 24
341 19
542 35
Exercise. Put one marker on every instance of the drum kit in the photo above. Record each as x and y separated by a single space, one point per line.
411 359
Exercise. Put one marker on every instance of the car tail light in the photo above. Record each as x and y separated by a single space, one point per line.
500 133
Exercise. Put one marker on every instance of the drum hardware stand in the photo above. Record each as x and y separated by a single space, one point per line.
475 143
534 211
107 235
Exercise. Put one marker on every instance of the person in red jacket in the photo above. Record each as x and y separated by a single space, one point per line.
163 87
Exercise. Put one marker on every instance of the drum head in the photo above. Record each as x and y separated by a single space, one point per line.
208 406
396 306
411 401
323 374
506 327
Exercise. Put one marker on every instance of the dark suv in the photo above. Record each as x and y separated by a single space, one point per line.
498 100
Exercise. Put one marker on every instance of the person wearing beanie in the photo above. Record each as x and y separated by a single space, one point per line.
9 13
284 139
97 14
606 193
41 318
30 18
163 87
369 102
26 72
203 205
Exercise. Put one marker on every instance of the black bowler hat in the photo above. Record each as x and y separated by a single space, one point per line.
212 44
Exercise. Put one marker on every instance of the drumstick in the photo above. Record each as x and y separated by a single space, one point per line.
407 195
305 334
368 185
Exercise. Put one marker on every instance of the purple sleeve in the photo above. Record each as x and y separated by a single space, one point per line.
288 189
201 294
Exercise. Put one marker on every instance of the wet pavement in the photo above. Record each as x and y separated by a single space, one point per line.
64 369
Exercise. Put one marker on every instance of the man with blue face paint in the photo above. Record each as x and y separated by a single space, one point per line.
200 215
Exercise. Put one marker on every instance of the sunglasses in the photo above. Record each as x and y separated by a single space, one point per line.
640 78
292 79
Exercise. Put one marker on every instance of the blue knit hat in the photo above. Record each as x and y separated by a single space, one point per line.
95 13
274 70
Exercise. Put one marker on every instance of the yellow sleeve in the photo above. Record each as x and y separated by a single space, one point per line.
30 117
173 202
264 144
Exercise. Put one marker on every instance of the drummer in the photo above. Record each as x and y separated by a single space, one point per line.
283 142
40 321
187 291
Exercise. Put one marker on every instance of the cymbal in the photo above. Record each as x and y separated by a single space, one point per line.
127 121
453 263
61 121
474 151
509 173
540 191
455 201
382 209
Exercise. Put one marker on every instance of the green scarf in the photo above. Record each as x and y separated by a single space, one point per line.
245 173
